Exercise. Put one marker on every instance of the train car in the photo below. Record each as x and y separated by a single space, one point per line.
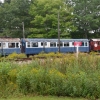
9 45
35 46
95 45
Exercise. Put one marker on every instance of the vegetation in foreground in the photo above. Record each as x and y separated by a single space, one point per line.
63 76
42 98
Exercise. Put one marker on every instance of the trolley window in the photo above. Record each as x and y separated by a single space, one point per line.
0 45
43 43
28 44
4 44
34 44
98 42
66 44
61 44
73 43
17 45
11 45
52 44
82 44
86 44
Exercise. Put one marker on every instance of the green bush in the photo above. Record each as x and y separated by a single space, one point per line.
7 79
65 76
15 56
40 81
23 77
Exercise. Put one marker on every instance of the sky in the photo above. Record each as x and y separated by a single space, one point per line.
2 0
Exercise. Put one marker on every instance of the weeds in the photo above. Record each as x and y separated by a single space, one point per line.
64 76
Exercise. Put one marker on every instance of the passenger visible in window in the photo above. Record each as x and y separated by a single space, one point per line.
11 45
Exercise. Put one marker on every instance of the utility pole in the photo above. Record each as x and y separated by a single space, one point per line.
58 34
23 30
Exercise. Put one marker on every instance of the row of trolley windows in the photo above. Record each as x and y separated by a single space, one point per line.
13 45
9 45
67 44
32 44
97 42
53 44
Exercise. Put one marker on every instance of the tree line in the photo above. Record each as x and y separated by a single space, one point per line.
45 18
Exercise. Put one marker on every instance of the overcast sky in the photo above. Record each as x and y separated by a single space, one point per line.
2 0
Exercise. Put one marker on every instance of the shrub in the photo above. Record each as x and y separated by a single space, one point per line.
7 81
15 56
65 76
23 77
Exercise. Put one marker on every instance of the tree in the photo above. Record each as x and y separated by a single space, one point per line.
11 17
7 1
45 18
87 16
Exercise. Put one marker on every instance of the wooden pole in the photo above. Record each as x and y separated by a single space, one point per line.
58 34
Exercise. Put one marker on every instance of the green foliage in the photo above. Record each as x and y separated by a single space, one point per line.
7 79
23 80
11 17
40 17
15 56
86 17
45 18
66 76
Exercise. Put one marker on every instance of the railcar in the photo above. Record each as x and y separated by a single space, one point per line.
35 46
95 45
9 45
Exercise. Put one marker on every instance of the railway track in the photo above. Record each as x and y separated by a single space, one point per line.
23 59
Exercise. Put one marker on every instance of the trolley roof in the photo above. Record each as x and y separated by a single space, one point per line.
9 39
95 39
54 40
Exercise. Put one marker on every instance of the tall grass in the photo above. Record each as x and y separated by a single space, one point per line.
65 76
